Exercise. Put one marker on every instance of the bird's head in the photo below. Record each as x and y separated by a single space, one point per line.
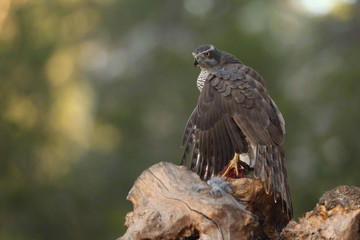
206 56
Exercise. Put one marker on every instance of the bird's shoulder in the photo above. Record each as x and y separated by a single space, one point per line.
236 72
238 81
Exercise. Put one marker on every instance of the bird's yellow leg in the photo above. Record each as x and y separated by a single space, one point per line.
233 164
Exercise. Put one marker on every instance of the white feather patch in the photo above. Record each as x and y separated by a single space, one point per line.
202 78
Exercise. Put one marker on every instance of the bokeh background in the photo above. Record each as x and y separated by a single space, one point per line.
93 92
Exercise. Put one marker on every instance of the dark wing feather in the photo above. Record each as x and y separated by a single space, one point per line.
215 134
189 137
258 117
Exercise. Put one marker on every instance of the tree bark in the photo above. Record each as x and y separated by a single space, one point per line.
172 202
336 216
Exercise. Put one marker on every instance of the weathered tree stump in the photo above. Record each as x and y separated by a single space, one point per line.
172 202
335 217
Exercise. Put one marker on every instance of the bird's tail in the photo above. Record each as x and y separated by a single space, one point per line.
270 168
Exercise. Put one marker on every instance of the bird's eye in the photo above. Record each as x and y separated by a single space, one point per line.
207 54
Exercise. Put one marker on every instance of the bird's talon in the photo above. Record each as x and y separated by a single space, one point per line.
233 164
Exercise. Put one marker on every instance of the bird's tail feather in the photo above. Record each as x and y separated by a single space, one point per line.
270 168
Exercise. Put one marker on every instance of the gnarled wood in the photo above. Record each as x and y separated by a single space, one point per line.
335 217
171 202
251 193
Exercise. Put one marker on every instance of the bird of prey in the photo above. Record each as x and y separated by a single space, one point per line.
235 122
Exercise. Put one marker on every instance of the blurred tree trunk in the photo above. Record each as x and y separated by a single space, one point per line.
171 202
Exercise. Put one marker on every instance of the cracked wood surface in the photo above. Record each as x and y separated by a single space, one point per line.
171 202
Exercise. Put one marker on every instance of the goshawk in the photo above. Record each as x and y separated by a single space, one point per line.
235 121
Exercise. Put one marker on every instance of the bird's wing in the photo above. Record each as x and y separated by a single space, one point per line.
211 136
245 98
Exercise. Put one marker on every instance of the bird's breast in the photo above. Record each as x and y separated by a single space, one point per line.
202 78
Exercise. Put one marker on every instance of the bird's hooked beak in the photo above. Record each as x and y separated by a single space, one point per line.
195 62
196 59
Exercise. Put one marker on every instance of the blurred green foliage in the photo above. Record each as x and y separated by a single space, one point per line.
94 92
